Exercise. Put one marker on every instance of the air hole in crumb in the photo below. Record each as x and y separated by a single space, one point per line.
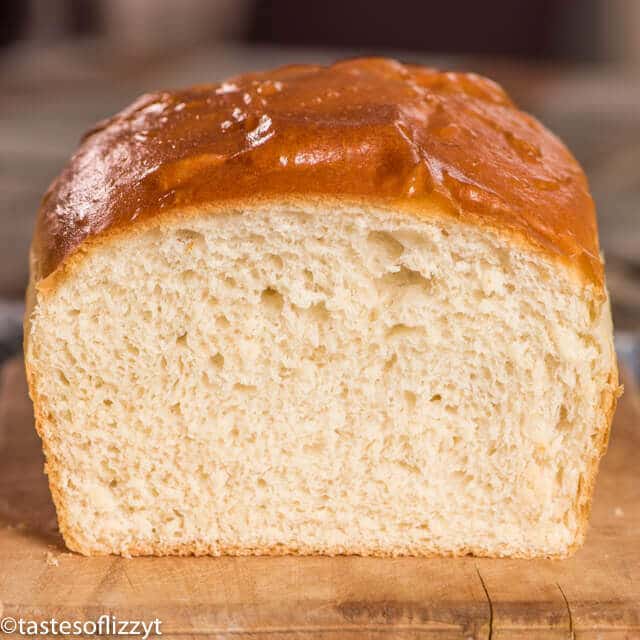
107 402
563 420
222 322
132 349
244 388
388 365
385 244
405 276
217 361
404 331
191 238
275 261
435 398
182 339
319 312
411 468
188 276
261 482
63 378
272 299
410 399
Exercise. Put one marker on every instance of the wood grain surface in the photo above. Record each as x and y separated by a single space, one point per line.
595 594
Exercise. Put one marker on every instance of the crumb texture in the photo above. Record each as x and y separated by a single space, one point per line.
277 380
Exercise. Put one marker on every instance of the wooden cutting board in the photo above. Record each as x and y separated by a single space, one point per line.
595 594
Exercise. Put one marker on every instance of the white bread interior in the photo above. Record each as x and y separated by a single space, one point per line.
320 380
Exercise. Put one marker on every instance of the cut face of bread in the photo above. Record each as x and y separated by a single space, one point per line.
336 380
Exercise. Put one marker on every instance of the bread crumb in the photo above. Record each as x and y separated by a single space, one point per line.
52 561
358 389
618 512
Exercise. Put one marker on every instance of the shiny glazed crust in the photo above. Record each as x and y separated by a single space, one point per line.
368 130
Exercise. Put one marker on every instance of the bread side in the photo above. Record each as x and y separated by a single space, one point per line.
343 379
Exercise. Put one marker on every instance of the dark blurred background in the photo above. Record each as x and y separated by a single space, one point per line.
65 64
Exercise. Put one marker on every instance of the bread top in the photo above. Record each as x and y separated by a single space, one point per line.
368 130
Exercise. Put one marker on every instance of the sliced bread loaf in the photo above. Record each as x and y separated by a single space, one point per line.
356 309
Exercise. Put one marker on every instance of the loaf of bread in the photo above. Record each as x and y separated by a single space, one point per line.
356 309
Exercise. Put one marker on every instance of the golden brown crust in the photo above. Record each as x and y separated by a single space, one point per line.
205 549
586 487
370 129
